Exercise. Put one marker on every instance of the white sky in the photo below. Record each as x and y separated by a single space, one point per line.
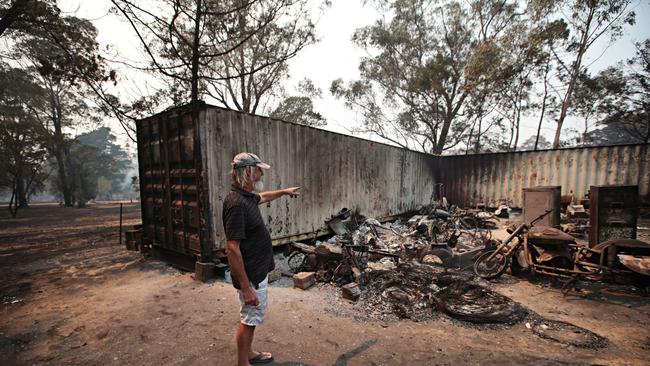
335 56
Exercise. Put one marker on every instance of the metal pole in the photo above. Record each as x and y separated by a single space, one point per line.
120 223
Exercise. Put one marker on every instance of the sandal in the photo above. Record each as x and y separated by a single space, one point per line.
261 357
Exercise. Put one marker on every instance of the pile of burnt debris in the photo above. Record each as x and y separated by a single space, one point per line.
434 236
410 268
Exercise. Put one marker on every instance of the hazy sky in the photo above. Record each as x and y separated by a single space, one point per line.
335 56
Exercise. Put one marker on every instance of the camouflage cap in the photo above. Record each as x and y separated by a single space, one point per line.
248 159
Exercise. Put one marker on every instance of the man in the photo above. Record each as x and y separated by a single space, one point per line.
249 248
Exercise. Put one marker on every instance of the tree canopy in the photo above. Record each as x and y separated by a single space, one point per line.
440 75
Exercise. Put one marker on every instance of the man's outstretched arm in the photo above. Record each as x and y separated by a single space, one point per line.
269 196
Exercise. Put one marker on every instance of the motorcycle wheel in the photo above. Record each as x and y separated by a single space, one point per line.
490 268
297 261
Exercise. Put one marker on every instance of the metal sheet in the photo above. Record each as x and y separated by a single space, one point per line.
491 179
334 171
184 175
539 199
637 264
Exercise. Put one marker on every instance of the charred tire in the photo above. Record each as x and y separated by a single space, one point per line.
490 268
297 261
472 303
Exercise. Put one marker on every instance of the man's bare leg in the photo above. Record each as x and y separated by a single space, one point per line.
245 335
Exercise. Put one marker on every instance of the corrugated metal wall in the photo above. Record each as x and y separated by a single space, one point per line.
490 178
334 171
337 171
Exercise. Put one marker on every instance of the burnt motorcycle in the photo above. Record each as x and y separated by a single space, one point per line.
550 251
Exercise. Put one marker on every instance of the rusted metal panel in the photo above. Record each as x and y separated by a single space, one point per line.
539 199
491 179
614 213
334 171
184 169
639 265
168 181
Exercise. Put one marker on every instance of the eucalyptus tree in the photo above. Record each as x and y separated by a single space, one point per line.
23 15
526 57
247 77
62 57
22 136
590 94
588 21
300 108
430 65
627 108
235 51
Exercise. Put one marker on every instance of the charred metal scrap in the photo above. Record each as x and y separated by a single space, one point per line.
397 267
412 267
416 291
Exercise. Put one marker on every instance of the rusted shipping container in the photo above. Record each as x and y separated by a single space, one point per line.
184 170
489 179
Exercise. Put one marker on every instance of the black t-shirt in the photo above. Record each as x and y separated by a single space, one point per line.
242 221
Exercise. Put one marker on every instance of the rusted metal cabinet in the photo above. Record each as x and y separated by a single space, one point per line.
614 210
537 200
185 175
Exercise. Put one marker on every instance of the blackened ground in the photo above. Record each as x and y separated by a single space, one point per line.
71 295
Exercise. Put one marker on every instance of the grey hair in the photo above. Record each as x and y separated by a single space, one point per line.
241 175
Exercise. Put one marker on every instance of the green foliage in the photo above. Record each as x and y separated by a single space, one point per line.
619 97
22 136
21 16
87 163
529 144
135 183
433 64
60 57
300 109
109 177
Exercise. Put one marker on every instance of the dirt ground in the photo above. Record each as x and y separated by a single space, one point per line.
70 294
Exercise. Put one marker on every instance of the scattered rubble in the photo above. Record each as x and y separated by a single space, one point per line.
416 291
304 280
576 212
351 291
405 268
412 268
566 333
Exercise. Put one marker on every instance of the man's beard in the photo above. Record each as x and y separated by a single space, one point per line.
258 186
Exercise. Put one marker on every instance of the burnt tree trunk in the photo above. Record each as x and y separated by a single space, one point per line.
21 192
541 117
573 77
450 113
477 145
59 149
62 174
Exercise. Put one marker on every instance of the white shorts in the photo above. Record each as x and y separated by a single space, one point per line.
254 315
